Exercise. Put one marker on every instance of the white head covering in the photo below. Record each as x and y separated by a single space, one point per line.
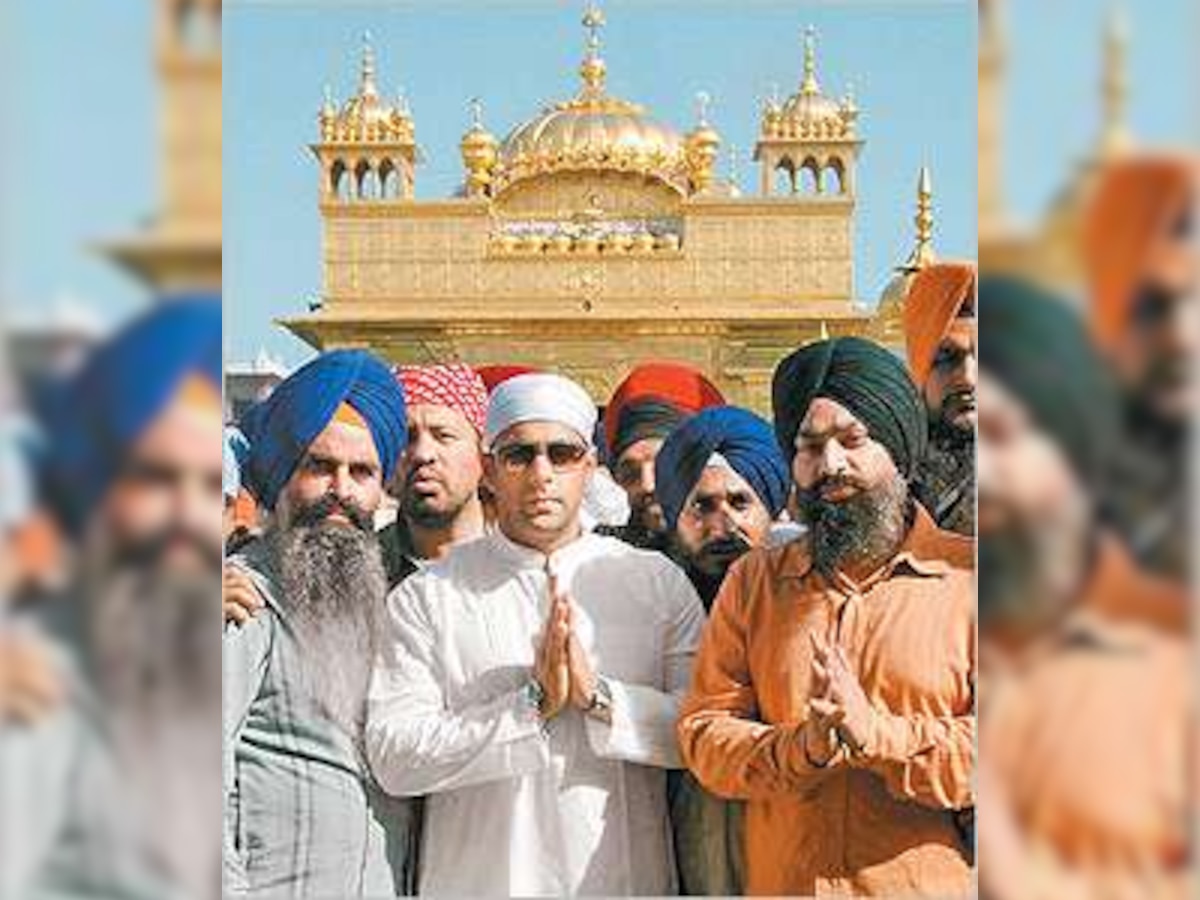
604 502
538 397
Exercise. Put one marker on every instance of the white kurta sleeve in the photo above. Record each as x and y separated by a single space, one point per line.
642 729
415 744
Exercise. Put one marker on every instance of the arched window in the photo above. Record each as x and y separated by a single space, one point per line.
784 181
808 177
389 183
835 176
364 180
339 181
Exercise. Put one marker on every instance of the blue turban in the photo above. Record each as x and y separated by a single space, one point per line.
281 427
747 443
119 391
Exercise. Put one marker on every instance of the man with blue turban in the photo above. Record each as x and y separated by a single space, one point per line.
302 814
721 481
116 783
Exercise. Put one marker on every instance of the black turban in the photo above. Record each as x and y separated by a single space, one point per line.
1037 347
864 377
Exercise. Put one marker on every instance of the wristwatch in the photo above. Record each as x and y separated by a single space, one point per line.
533 694
601 704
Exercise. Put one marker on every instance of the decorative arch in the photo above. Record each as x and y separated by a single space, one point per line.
808 176
389 180
834 175
339 180
363 179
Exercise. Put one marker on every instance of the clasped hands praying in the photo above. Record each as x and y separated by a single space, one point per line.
562 667
839 712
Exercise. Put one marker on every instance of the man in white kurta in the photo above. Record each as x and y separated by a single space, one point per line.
529 794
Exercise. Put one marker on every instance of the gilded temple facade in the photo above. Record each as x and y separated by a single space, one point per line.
591 237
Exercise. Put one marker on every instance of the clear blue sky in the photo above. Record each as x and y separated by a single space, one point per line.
85 164
912 66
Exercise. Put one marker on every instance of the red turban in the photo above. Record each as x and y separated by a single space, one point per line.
652 399
456 385
494 376
934 299
1137 202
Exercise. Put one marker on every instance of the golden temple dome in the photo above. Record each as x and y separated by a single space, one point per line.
366 117
593 131
809 113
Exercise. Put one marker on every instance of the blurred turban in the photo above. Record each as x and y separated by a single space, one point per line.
538 397
1038 348
863 377
172 350
455 385
281 427
1137 204
653 399
934 300
744 441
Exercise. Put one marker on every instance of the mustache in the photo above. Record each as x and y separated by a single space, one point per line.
959 395
310 515
147 552
825 483
733 545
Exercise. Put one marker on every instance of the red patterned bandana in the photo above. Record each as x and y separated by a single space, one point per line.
456 385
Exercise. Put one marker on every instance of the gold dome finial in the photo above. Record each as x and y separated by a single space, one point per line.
923 254
703 143
367 78
593 69
479 152
1114 136
810 86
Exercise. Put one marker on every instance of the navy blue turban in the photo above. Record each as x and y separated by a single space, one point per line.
281 427
746 442
866 379
118 392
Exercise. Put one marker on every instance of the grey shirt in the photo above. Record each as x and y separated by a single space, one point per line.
302 815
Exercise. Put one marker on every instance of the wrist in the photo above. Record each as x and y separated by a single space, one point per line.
600 702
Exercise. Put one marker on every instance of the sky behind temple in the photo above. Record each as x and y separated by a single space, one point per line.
912 66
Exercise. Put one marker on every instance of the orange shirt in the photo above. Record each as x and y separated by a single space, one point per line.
1086 738
881 823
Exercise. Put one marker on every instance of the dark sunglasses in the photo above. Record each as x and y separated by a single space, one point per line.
561 454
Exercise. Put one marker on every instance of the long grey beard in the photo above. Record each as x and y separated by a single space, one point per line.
155 643
334 591
868 527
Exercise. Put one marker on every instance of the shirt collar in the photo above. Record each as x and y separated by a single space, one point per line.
920 553
522 557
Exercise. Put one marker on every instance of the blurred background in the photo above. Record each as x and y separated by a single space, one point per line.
111 194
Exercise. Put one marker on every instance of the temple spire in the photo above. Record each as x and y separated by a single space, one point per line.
1114 134
810 86
367 86
593 69
922 254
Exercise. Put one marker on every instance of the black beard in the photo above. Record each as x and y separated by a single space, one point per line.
309 515
334 588
867 528
952 439
414 512
703 568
